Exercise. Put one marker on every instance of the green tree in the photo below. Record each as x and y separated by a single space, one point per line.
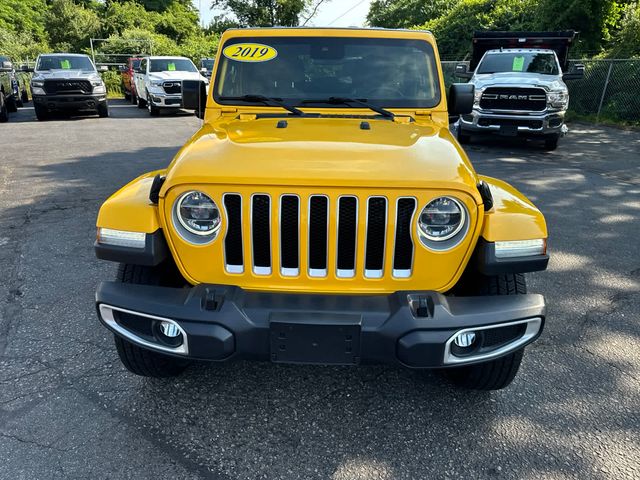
71 25
265 13
454 29
118 17
626 42
406 13
24 17
178 21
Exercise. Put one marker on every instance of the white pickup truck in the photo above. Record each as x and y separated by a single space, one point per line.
158 82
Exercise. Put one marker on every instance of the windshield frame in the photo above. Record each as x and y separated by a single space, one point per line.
68 56
515 52
413 104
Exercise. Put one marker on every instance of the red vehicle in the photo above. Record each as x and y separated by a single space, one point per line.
128 85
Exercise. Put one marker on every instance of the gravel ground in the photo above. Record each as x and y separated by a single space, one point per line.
68 409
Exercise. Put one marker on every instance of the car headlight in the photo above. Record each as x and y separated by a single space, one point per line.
37 83
156 83
198 214
442 219
477 95
558 99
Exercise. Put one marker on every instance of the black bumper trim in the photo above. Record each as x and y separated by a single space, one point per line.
488 264
386 323
154 253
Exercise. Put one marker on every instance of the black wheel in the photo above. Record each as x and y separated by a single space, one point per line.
463 138
499 373
12 104
134 98
141 103
19 103
141 361
41 112
103 110
25 96
4 114
153 110
551 143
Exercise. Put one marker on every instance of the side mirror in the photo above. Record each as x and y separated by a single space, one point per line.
462 71
194 96
204 71
6 66
576 73
461 98
103 68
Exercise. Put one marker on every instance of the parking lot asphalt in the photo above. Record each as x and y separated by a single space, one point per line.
68 409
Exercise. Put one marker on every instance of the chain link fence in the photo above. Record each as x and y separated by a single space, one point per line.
609 91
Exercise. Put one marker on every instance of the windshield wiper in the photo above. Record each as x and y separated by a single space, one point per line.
348 101
266 100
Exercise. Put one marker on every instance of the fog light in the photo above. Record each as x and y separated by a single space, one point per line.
465 339
169 329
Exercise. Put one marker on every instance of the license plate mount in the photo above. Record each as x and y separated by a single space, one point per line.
509 130
315 339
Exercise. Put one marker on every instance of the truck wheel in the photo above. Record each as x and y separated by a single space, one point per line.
551 143
153 110
141 102
25 96
4 115
103 110
12 105
137 360
499 373
134 99
463 138
41 112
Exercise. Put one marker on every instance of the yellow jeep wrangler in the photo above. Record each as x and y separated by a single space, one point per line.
323 214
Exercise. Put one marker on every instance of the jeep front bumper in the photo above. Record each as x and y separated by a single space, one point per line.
416 329
516 123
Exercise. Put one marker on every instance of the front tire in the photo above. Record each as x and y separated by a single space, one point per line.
41 112
25 97
153 110
12 105
463 138
499 373
551 142
103 110
141 103
4 114
141 361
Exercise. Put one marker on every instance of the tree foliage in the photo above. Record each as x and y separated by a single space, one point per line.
262 13
603 25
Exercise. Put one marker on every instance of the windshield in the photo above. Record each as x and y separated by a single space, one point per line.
528 62
64 62
384 72
172 65
208 64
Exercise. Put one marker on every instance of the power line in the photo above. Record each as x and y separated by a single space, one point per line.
352 8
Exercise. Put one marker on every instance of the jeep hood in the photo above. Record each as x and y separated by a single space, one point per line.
323 152
548 82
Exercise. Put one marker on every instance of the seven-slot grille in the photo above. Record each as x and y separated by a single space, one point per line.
317 236
172 87
514 98
67 86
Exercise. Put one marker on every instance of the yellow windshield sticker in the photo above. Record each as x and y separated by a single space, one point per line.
171 67
250 52
518 64
65 64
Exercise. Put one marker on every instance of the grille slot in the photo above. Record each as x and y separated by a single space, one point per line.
172 87
376 233
67 86
261 234
347 236
234 260
503 98
318 235
403 250
289 235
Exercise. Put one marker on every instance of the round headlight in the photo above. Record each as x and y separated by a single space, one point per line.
198 213
441 219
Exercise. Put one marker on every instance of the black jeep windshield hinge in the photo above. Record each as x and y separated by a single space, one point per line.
156 185
485 193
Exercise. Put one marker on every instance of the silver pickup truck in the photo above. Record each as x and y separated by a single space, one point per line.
520 89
